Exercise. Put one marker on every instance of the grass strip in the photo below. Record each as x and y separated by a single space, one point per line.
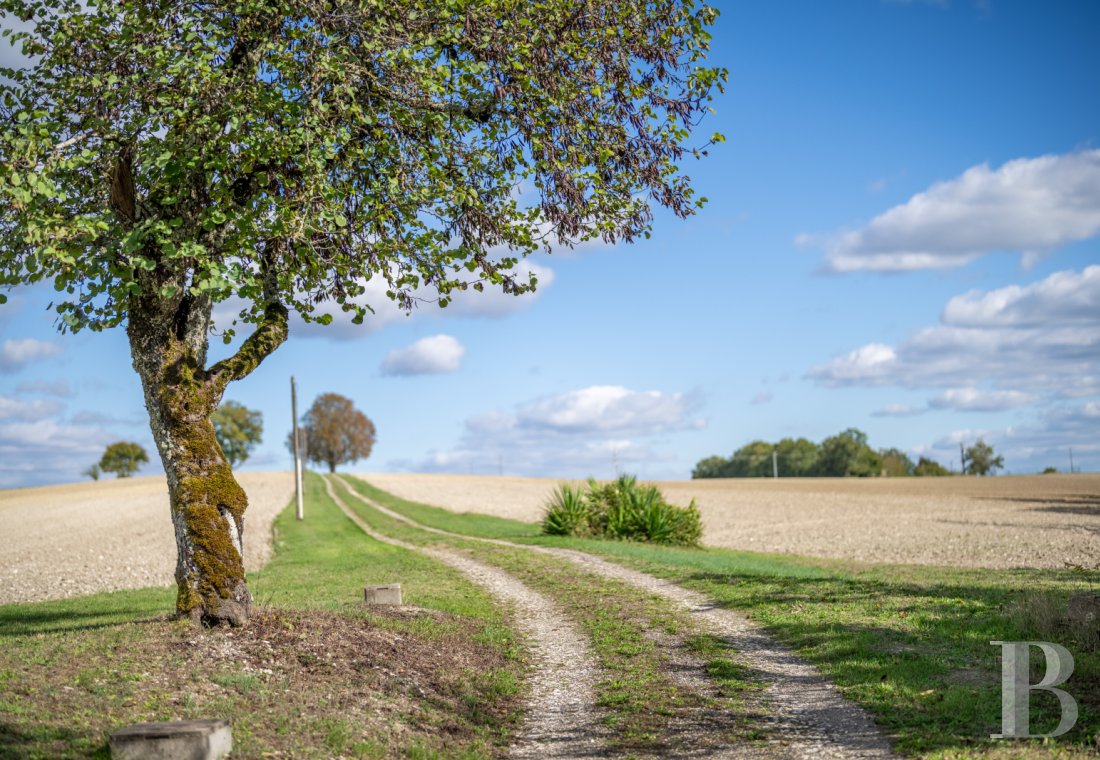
315 675
634 635
909 643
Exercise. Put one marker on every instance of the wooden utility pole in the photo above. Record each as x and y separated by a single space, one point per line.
962 458
297 447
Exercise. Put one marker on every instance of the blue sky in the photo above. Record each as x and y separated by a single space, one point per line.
903 236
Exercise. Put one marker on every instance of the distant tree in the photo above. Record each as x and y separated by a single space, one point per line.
895 463
711 467
93 472
753 460
930 468
238 430
335 432
123 458
797 457
1050 471
981 459
848 455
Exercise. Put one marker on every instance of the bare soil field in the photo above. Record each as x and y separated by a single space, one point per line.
81 538
1043 521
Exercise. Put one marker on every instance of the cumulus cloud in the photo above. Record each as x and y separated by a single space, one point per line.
492 303
980 400
1040 339
439 354
608 409
1029 205
59 388
1046 440
15 354
589 431
897 410
46 451
27 411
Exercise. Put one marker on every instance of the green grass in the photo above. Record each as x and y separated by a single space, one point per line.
910 643
364 683
632 634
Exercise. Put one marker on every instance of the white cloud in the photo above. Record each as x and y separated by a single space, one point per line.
897 410
16 353
979 400
1029 205
763 397
45 451
590 431
1046 441
27 411
59 388
608 409
1040 339
438 354
492 303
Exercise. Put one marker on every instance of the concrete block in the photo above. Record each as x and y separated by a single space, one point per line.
388 593
178 740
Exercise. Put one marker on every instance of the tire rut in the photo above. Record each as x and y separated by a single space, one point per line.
562 718
809 717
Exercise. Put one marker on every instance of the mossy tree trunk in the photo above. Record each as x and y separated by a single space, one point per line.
208 505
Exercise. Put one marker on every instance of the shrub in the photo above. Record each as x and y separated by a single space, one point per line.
622 510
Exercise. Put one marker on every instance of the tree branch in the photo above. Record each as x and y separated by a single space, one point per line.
269 335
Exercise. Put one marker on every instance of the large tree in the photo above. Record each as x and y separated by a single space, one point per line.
981 460
334 432
159 158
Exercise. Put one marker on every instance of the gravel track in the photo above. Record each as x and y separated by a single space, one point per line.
562 718
808 716
1041 521
83 538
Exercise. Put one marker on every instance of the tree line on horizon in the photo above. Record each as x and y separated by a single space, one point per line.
846 454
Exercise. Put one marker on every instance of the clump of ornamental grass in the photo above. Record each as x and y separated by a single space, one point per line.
621 509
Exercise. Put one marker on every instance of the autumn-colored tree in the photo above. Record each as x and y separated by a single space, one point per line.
334 432
159 158
122 458
238 430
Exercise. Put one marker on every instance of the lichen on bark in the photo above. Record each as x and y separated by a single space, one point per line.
208 505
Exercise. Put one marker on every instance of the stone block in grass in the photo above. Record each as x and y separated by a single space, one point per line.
176 740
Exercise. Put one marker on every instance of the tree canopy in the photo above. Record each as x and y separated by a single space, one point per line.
238 430
157 159
293 151
335 432
980 459
122 458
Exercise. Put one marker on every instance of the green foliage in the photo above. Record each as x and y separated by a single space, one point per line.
848 455
1049 471
981 460
238 430
711 467
844 455
624 510
896 463
292 152
93 472
930 468
123 459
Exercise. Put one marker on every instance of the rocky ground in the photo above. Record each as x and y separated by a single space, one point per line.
61 541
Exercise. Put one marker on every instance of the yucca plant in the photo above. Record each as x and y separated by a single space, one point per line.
624 510
566 513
